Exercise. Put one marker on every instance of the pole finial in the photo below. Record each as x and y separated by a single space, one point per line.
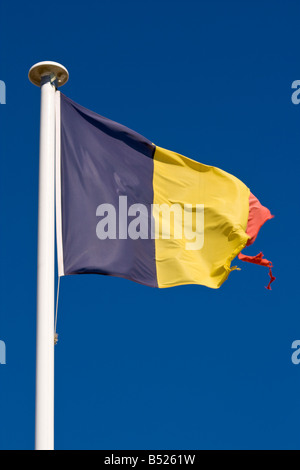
42 69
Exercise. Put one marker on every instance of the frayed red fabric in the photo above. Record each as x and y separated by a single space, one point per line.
258 215
259 259
272 279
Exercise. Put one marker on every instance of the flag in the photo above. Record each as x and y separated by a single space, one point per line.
128 208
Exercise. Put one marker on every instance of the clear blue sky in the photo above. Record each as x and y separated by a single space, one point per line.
139 368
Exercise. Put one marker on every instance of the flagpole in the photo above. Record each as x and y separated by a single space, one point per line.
48 76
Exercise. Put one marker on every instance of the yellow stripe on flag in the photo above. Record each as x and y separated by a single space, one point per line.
223 205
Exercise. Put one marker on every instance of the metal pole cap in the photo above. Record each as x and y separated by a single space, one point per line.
43 69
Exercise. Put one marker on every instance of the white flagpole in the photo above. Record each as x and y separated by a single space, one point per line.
47 75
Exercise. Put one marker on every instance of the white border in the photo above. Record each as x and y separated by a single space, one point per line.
59 242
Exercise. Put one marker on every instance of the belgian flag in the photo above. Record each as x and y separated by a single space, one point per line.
128 208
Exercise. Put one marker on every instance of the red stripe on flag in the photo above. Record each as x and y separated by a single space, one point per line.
258 215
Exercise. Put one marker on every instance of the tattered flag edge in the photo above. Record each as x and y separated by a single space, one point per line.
258 215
